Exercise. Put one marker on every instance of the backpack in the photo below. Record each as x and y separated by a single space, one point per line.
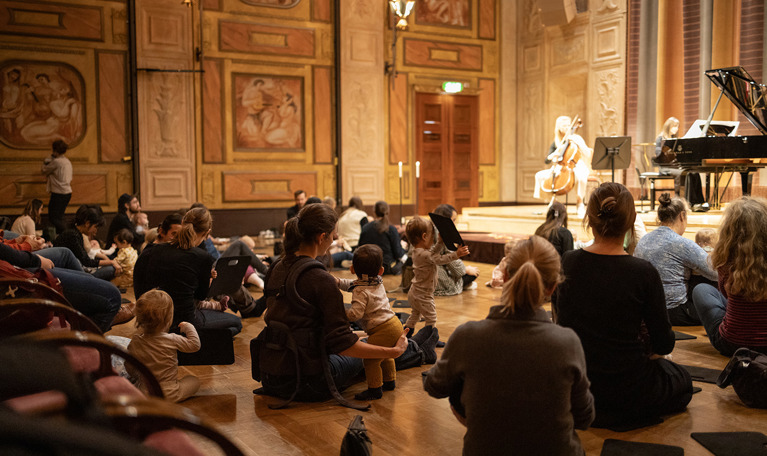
747 372
281 350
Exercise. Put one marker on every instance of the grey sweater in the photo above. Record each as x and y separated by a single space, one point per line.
525 389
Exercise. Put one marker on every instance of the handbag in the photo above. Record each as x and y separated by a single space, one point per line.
356 441
747 372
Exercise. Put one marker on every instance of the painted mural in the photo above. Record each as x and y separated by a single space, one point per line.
455 13
40 102
268 112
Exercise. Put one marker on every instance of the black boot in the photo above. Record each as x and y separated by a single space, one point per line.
369 394
389 386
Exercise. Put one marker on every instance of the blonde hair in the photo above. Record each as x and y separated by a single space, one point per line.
706 237
671 122
558 136
509 246
533 267
195 222
742 248
154 311
415 229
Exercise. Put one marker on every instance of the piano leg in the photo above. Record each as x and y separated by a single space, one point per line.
708 187
745 182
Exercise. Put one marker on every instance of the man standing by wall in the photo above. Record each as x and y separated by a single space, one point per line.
58 170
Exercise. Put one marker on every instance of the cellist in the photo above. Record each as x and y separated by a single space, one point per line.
563 135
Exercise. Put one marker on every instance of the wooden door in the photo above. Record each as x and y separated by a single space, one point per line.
447 147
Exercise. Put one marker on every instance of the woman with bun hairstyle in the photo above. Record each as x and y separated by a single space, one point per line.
517 345
381 233
735 315
183 270
676 258
607 298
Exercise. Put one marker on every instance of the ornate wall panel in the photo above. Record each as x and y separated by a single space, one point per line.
609 41
398 121
266 39
362 100
113 124
487 99
487 19
242 186
213 113
321 10
323 116
16 190
166 107
51 20
439 54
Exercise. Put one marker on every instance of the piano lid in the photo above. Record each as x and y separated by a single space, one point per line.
744 92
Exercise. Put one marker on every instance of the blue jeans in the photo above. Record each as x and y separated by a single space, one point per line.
104 273
8 234
338 257
62 257
98 299
712 306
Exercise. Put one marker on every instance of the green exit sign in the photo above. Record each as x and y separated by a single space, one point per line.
452 87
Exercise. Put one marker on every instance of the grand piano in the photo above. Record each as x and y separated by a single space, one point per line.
717 155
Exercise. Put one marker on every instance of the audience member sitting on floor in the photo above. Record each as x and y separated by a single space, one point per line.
88 220
351 221
26 223
606 296
300 198
499 272
308 236
676 258
98 299
735 315
169 228
554 229
515 380
381 233
453 277
127 206
371 310
158 350
183 271
126 258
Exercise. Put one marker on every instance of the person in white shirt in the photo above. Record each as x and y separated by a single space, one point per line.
58 169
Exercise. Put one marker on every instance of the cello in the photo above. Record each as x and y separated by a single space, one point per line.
562 177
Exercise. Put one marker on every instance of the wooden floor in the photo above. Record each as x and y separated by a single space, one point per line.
409 422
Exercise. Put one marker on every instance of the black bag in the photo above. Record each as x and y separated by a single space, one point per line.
356 441
747 371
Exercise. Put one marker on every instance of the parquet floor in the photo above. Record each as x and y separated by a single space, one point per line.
408 421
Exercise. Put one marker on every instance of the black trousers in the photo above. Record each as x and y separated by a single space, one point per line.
57 206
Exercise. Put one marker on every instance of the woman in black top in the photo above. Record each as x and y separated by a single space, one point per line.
88 220
183 270
555 228
609 298
384 235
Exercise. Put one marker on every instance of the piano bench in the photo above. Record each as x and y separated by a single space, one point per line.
652 180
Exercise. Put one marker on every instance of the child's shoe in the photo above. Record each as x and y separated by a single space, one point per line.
224 303
369 394
389 386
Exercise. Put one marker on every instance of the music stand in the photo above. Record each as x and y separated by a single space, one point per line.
611 152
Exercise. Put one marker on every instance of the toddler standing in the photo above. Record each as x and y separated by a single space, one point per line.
426 257
371 309
126 258
156 348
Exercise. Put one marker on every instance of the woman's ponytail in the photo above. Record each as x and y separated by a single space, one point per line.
533 268
293 238
196 221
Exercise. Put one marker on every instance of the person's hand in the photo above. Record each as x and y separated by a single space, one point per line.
45 263
338 282
213 274
118 268
462 251
184 326
472 270
401 344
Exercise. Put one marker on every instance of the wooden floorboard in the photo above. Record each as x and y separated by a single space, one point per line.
409 422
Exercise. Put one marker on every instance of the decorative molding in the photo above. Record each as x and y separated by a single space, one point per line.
52 20
609 42
252 38
112 98
487 13
532 17
286 4
608 86
531 58
422 53
360 134
607 6
119 26
568 50
532 102
241 186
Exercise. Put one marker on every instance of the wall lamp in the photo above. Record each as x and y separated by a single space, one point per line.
401 9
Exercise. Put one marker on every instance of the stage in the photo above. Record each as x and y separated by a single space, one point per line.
486 229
